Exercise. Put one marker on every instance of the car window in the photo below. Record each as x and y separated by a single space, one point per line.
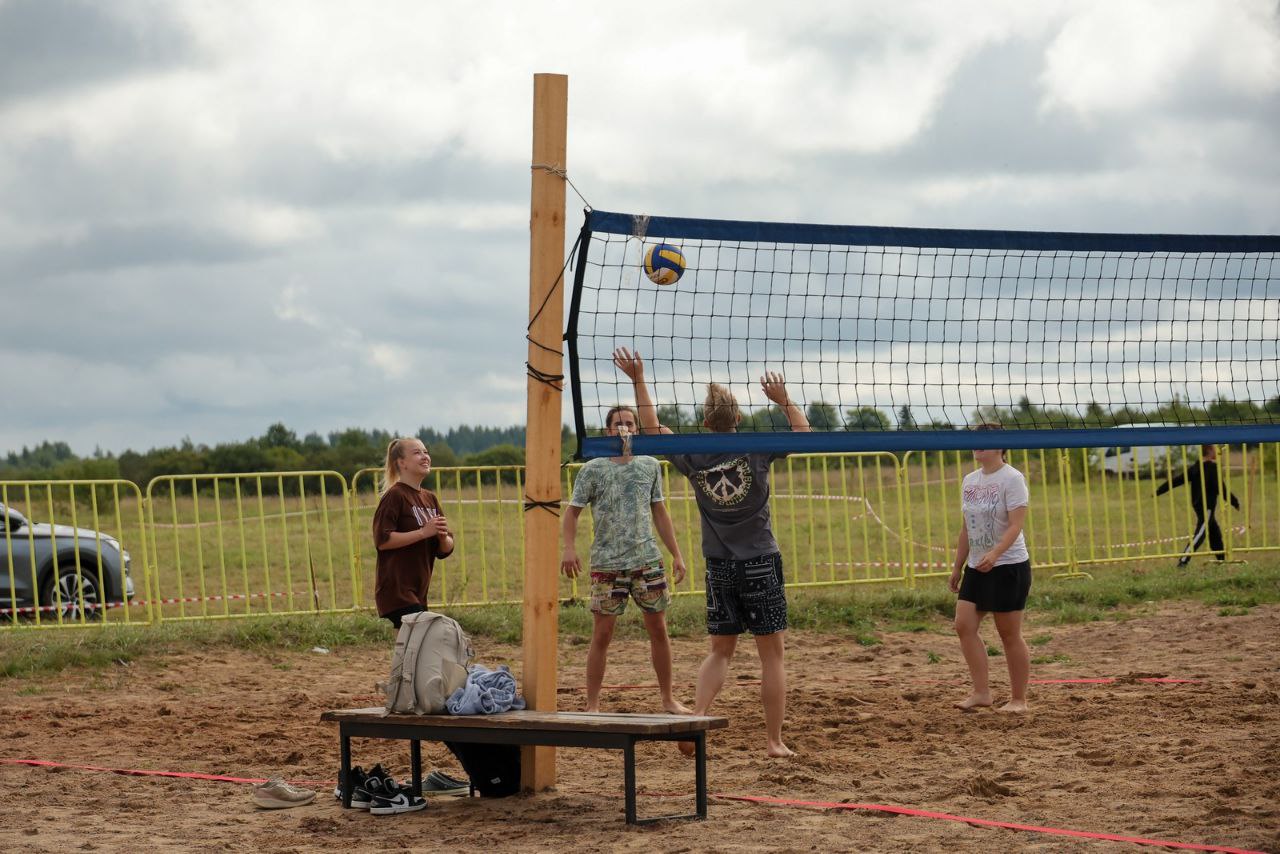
11 522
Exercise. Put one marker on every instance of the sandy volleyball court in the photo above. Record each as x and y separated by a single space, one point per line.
1145 755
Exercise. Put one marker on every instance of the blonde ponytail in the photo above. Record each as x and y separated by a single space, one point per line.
390 471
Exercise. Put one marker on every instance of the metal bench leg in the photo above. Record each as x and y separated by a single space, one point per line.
701 743
415 758
344 770
629 778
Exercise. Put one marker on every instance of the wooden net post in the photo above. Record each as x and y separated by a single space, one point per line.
542 438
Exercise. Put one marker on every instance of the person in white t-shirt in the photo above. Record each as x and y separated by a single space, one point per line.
992 574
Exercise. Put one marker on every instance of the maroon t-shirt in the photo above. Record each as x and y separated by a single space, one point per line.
404 575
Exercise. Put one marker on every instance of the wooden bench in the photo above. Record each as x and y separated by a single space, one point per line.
550 729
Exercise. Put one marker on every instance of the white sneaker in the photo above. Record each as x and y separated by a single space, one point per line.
276 794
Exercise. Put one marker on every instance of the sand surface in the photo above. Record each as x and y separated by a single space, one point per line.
1191 762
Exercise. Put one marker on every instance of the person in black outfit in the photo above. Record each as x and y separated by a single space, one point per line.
1205 485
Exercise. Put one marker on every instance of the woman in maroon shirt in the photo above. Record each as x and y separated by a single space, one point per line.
409 531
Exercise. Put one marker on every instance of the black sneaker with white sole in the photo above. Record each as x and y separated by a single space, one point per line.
358 776
375 783
395 800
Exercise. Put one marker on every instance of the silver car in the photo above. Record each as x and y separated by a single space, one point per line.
64 563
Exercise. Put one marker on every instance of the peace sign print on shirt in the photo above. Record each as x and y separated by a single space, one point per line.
727 484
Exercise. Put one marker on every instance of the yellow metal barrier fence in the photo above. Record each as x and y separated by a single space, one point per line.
216 546
72 553
260 543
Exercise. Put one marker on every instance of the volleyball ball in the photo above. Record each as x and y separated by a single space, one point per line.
663 263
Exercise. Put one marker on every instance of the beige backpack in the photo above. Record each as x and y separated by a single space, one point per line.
429 664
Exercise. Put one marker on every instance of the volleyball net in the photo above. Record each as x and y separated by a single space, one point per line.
897 338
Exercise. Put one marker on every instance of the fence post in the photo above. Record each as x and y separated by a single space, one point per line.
1224 503
1066 493
152 585
908 569
353 547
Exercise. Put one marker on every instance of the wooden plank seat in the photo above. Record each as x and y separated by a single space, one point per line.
549 729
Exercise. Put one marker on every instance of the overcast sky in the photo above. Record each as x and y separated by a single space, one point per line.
215 216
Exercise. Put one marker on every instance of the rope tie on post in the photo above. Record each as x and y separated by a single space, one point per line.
560 172
552 507
553 380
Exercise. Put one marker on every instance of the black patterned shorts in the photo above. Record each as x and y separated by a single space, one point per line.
746 595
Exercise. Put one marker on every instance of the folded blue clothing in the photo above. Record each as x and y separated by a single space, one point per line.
487 692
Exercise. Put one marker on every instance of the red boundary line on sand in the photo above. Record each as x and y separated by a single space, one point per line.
138 772
1097 680
983 822
754 799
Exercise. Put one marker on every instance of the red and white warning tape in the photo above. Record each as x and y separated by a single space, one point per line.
1235 529
142 603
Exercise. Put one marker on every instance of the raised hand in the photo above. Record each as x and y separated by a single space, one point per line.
774 387
629 363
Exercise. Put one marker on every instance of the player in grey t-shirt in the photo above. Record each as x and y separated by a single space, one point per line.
744 566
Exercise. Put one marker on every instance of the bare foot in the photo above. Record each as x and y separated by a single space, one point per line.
594 709
675 707
1014 707
974 701
688 748
780 750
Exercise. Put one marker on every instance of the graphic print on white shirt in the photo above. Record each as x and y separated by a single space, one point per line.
985 501
980 503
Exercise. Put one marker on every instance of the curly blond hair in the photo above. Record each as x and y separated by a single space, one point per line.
720 410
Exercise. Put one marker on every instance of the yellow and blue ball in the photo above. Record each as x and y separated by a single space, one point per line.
663 263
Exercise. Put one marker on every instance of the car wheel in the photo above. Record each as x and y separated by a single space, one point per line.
70 595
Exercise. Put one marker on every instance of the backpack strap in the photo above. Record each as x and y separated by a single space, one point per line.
400 688
412 649
391 688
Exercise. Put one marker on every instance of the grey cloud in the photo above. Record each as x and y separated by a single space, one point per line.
48 46
48 180
989 121
111 247
305 175
169 324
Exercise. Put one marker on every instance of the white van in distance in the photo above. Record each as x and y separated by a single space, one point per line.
1131 460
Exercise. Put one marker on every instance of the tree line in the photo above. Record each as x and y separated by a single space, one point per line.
279 449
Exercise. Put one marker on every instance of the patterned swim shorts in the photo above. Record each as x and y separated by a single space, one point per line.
746 595
646 584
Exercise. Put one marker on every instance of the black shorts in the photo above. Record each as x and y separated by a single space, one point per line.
746 595
1003 589
400 613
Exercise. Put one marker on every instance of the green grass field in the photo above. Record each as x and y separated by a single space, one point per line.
861 613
